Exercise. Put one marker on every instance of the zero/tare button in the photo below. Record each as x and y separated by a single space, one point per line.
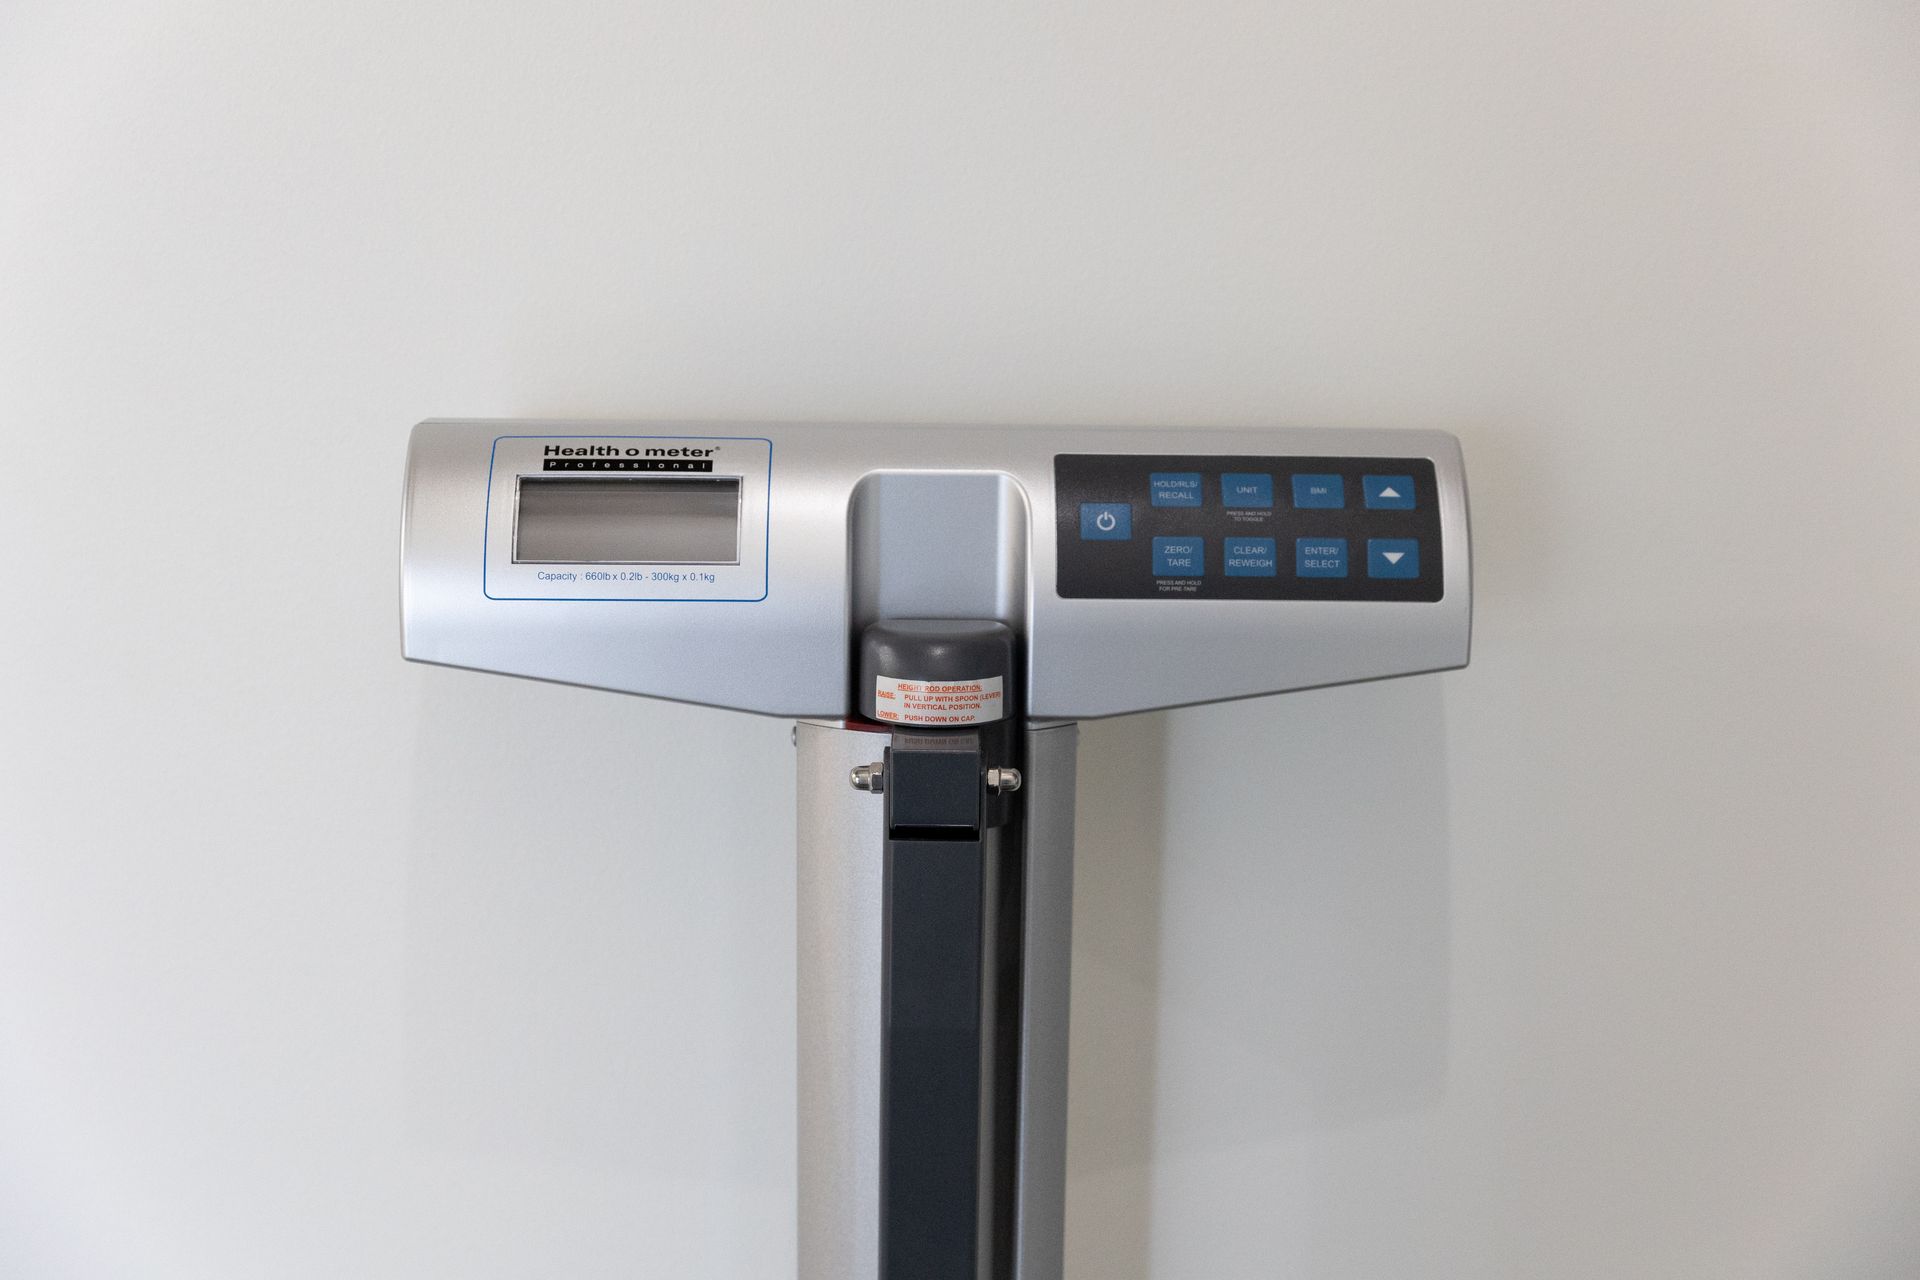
1179 557
1106 521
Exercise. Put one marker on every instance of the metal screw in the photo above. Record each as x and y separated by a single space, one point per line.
1003 780
868 777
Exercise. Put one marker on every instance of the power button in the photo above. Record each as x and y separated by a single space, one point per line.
1106 521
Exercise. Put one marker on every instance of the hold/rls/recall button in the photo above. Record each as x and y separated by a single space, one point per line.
1175 488
1320 557
1106 521
1249 557
1319 492
1393 558
1179 557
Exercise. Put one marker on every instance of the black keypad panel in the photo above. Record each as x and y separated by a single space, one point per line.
1134 527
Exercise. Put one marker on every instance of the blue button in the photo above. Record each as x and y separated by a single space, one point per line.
1388 493
1175 488
1179 557
1393 558
1249 557
1319 491
1106 521
1320 557
1246 489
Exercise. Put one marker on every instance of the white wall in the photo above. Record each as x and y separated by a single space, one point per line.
1599 959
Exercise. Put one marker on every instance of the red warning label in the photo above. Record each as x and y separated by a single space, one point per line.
937 702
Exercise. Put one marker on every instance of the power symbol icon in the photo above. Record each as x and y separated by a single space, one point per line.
1106 521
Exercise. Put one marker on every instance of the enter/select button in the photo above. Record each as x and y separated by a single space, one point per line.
1320 557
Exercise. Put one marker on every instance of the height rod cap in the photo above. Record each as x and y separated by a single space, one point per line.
973 660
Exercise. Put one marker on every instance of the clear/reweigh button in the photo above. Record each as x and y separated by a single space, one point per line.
1249 557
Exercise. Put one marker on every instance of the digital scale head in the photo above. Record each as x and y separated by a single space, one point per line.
937 607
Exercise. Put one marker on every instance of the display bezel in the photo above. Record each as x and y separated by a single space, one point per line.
654 482
749 459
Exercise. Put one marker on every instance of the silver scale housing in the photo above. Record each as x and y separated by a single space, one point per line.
842 525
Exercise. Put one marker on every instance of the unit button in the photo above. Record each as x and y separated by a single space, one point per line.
1319 492
1388 493
1175 488
1320 557
1393 558
1106 521
1249 557
1179 557
1246 489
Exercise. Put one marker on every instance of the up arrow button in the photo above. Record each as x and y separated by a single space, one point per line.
1387 493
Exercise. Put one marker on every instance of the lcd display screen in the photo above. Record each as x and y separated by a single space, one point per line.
628 520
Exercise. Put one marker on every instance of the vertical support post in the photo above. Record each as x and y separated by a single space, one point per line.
950 1062
950 1067
1046 926
935 909
938 1094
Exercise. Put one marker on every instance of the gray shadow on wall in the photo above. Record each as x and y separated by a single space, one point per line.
600 933
1261 943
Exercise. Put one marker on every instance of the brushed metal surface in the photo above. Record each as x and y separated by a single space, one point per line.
788 653
938 544
1041 1197
841 848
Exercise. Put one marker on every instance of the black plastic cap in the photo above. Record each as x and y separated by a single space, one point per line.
935 650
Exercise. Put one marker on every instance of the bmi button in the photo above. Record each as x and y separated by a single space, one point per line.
1393 558
1249 557
1319 492
1388 493
1179 557
1320 557
1106 521
1175 488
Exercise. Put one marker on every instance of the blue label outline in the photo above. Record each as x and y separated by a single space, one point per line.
766 551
